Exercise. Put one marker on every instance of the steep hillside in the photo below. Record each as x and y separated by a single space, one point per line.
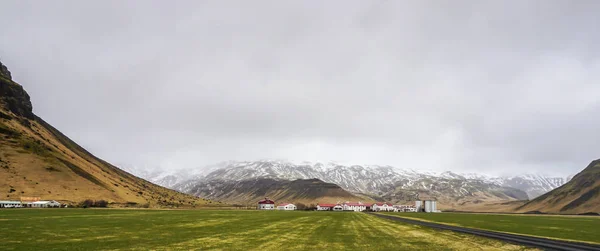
37 160
248 192
580 195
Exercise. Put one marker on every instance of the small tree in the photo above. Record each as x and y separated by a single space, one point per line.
87 203
300 206
101 203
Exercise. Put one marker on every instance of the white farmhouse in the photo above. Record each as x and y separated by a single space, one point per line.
405 208
286 206
354 206
325 207
338 208
45 203
10 204
266 204
379 206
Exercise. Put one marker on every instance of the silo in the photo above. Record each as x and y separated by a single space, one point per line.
428 206
419 205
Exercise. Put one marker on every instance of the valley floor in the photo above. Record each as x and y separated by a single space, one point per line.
575 228
89 229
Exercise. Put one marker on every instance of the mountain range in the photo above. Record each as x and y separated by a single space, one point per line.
37 160
248 192
377 182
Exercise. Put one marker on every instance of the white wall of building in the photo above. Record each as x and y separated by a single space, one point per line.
288 207
266 206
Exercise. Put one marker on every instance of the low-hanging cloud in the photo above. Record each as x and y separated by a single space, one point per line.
470 86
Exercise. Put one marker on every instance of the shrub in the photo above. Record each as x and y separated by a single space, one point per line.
7 130
34 147
91 203
52 169
100 203
87 203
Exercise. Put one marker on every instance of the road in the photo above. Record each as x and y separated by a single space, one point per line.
536 242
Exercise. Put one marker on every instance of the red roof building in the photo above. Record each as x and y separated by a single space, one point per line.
266 201
325 206
266 204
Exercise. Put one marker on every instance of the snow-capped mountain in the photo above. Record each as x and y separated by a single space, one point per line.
533 184
365 179
170 178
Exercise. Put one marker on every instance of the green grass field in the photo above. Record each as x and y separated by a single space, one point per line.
579 228
116 229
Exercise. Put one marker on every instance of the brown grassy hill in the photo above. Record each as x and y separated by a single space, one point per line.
37 160
248 192
580 195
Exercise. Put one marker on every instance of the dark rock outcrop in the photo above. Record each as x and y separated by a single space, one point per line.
13 96
4 72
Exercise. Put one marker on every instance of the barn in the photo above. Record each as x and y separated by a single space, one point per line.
266 204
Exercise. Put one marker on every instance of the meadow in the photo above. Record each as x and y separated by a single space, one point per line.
125 229
577 228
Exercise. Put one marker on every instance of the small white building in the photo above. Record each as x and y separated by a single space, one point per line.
379 206
338 208
325 207
354 206
266 204
405 208
10 204
286 206
45 203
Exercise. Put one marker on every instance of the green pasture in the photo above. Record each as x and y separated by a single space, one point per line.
578 228
120 229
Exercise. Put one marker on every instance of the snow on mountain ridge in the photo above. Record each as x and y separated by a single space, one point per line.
374 179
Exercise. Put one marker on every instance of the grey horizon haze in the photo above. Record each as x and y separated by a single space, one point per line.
492 87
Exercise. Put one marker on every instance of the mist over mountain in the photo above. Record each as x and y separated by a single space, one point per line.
382 182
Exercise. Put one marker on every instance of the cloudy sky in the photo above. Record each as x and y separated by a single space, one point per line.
494 87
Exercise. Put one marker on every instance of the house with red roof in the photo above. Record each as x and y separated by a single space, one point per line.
325 207
286 206
346 206
266 204
354 206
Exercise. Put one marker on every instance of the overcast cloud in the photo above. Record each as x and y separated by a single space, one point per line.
494 87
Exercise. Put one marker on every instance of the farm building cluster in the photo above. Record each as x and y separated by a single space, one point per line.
268 204
33 202
428 206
